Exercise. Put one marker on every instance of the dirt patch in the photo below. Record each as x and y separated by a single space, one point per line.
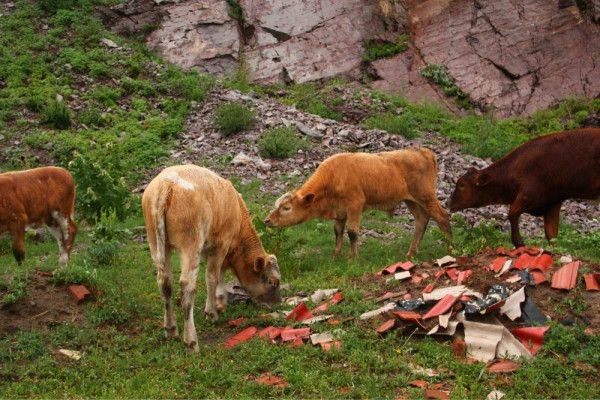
45 305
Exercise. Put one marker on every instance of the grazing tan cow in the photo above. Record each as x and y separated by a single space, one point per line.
35 197
194 211
345 184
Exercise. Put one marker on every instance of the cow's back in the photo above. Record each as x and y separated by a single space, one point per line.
561 165
201 204
37 192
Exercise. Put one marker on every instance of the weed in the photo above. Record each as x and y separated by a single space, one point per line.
375 51
280 142
76 273
56 115
24 346
231 118
12 290
107 95
439 74
469 240
235 11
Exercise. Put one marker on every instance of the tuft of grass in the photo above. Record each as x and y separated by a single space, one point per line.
56 115
440 75
402 124
281 142
232 118
377 50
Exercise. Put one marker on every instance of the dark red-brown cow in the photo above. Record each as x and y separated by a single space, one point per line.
35 197
536 178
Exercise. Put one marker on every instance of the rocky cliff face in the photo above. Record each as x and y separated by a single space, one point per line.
511 56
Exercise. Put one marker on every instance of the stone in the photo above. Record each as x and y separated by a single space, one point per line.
109 43
305 130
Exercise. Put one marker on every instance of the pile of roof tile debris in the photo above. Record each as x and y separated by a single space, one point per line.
446 305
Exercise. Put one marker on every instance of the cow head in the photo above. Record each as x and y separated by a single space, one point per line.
472 190
261 279
290 209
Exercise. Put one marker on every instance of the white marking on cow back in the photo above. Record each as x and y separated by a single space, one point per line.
172 176
281 199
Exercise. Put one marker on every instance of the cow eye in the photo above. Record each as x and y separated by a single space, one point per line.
286 208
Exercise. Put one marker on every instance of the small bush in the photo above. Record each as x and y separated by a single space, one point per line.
75 274
402 124
231 118
106 237
281 142
384 50
97 190
439 74
57 115
92 116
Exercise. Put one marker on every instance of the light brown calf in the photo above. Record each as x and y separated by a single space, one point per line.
345 184
199 214
35 197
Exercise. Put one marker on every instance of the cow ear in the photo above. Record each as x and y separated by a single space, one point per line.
306 200
483 179
259 264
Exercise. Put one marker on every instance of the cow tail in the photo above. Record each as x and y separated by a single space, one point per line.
163 196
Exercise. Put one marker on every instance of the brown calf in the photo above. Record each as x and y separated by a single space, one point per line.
34 197
199 214
345 184
535 178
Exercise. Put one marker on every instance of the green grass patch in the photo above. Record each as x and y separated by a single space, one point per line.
232 118
281 142
402 124
375 51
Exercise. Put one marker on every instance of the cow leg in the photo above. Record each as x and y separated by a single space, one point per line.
439 215
187 284
17 232
61 235
216 297
57 233
353 229
551 220
338 229
514 214
164 279
421 221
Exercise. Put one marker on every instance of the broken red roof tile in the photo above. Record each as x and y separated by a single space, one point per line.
300 313
501 366
416 279
272 380
407 296
420 383
497 264
441 306
334 322
236 322
386 326
243 336
334 300
590 282
291 334
566 277
407 265
327 346
531 337
436 394
463 276
459 347
438 274
43 273
296 342
79 292
452 273
270 331
425 275
428 288
542 262
538 277
388 295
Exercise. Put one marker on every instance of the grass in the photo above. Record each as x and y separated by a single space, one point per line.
125 354
232 118
398 124
377 50
281 142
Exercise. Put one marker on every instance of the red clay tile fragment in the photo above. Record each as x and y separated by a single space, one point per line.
334 300
463 276
502 366
452 273
79 292
327 346
407 265
438 274
270 331
296 342
441 307
428 288
497 264
243 336
420 383
272 380
566 277
538 277
542 262
436 394
407 315
386 326
591 283
531 337
43 273
300 313
388 295
459 347
236 322
291 334
407 296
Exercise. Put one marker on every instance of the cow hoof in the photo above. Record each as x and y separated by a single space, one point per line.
192 347
212 315
171 333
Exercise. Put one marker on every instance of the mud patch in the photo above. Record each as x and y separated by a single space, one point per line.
45 305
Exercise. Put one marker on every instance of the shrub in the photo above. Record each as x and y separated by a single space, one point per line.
402 124
57 115
383 50
97 190
281 142
439 74
92 116
77 274
231 118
